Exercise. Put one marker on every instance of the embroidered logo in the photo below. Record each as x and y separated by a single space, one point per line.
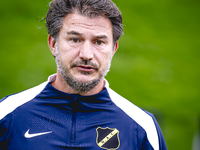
108 138
28 135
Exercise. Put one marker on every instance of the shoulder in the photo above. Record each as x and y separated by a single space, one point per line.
10 103
144 119
128 107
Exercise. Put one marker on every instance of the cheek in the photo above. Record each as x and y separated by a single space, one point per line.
68 55
104 58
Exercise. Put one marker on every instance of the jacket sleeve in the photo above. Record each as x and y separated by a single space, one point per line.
162 143
4 131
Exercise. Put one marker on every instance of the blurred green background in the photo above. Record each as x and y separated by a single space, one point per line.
156 66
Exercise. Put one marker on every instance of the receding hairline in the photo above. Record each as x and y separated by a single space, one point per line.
75 11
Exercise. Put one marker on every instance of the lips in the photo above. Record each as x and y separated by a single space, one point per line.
85 68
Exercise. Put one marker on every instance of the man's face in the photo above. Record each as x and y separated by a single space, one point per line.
84 50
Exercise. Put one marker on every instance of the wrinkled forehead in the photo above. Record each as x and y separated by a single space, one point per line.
82 23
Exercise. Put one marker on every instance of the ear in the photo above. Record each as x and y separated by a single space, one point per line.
115 47
52 44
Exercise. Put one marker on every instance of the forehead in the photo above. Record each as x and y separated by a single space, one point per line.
83 24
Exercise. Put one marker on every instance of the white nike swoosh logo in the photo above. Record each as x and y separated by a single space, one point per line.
28 135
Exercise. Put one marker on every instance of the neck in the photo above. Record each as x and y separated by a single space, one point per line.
60 84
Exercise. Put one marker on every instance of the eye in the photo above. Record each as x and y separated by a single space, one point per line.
75 40
99 42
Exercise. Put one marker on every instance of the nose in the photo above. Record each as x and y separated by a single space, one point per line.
86 51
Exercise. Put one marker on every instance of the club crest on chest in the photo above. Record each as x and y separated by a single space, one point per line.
108 138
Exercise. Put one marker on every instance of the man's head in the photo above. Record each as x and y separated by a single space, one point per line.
59 9
83 37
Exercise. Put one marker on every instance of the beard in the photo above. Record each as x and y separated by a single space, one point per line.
78 86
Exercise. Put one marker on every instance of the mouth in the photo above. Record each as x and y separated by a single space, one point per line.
86 68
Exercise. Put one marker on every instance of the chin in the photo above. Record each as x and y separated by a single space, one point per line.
86 79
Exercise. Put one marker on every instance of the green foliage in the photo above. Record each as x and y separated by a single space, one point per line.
156 66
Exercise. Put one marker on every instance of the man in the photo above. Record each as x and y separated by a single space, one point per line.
75 108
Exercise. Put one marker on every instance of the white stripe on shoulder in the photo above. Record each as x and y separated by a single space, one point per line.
138 115
12 102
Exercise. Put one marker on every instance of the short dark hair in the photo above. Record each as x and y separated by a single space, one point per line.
59 9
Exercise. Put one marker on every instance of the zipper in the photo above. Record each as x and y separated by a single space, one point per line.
73 127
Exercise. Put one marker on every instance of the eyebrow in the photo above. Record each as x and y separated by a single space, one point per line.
80 34
73 33
101 37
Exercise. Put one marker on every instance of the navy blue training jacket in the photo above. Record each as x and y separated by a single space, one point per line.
43 118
